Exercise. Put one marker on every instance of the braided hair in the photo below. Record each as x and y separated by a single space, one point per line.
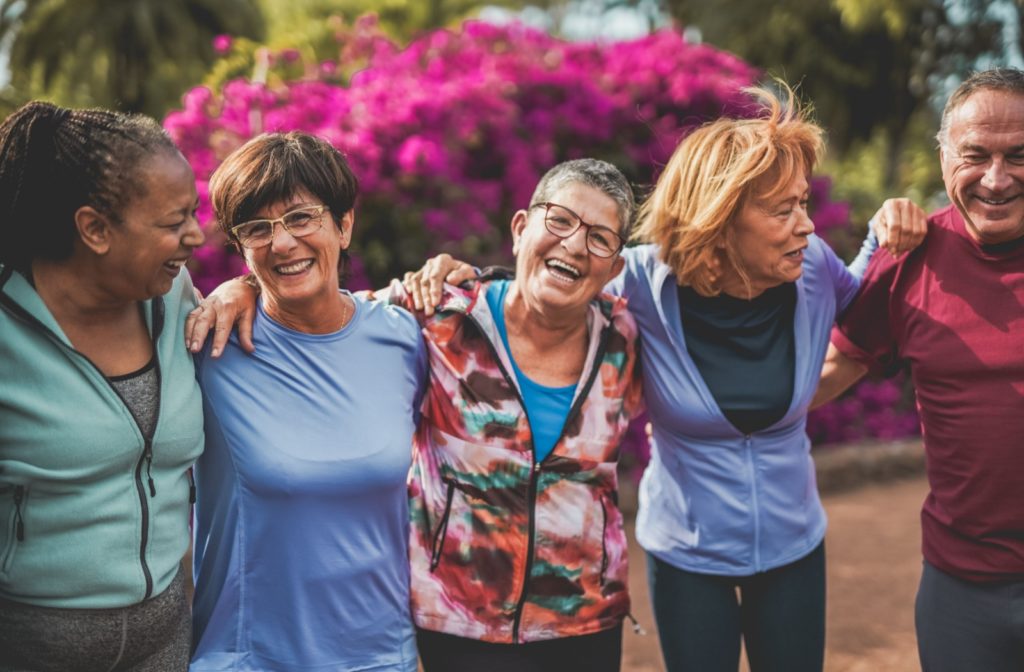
54 160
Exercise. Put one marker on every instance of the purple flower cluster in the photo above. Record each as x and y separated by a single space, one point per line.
871 410
449 135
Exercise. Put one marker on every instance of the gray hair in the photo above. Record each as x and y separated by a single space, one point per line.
595 173
1009 80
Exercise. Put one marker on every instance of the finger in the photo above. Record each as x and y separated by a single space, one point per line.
245 321
881 229
221 333
920 225
202 322
895 228
461 274
425 294
435 286
413 287
190 327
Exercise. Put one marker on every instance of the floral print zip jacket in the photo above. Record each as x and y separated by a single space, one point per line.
504 549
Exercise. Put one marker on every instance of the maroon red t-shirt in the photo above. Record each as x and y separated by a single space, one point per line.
954 310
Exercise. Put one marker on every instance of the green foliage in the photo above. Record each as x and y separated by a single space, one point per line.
400 19
862 172
873 69
137 55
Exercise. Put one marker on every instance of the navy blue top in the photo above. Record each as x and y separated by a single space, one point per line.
745 352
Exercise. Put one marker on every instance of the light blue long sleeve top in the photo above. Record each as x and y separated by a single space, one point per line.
301 523
714 500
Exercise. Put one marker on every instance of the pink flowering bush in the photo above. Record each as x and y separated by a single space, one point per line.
449 135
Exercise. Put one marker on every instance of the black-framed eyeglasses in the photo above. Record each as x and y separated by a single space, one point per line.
298 222
562 222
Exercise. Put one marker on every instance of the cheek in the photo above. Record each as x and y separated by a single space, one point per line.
960 176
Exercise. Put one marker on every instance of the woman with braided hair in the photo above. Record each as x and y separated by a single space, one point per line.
100 413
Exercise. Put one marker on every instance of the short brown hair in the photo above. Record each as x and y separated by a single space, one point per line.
712 174
273 167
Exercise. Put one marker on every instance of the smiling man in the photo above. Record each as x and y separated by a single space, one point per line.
953 309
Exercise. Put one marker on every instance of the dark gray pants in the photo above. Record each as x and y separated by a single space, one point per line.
152 636
964 626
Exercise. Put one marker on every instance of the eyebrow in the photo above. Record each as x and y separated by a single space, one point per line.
1016 149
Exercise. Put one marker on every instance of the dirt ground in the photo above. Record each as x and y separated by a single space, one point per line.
874 563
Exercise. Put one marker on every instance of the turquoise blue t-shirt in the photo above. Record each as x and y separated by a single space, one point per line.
301 524
546 407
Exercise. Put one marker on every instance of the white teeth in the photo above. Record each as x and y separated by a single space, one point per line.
175 263
562 266
991 201
297 267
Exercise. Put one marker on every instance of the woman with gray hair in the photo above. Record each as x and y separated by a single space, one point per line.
517 548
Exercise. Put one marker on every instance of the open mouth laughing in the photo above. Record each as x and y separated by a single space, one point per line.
293 268
563 271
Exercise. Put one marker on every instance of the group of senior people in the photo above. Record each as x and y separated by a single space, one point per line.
514 390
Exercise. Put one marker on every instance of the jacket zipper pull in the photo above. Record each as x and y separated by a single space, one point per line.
19 495
637 628
191 487
149 472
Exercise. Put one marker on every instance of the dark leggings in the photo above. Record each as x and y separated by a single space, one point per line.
778 614
963 625
152 636
599 652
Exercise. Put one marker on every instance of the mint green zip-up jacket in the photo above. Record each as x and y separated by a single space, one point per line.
93 514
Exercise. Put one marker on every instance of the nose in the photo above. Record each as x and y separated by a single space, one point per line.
193 235
804 224
577 242
996 177
280 239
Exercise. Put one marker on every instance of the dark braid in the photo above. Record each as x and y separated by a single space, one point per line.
53 161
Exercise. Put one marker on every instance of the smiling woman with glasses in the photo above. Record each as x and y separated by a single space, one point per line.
301 517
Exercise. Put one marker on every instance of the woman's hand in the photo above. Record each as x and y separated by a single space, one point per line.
232 302
424 285
900 225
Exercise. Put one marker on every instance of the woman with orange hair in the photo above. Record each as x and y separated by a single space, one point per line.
735 298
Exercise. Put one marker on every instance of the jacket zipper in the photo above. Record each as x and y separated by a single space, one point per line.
19 521
147 452
442 529
748 446
604 545
17 529
535 467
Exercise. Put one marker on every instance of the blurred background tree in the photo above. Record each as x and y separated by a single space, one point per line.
132 55
876 70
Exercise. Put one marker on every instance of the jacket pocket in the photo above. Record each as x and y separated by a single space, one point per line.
437 543
16 527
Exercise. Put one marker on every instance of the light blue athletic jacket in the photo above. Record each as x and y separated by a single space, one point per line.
714 500
92 513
